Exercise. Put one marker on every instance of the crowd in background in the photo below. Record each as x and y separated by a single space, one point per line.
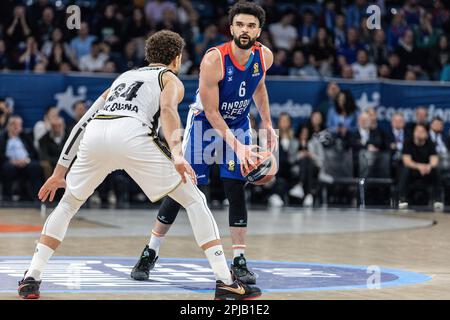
308 38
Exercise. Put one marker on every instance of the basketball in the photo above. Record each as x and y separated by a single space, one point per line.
266 168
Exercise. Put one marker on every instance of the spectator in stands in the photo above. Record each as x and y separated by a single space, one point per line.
129 59
396 137
436 133
108 27
154 10
420 117
57 38
316 123
440 14
397 69
439 57
355 12
51 146
410 56
362 68
284 34
339 31
283 176
46 25
19 161
308 29
378 50
186 63
31 56
361 137
136 26
57 57
79 109
18 30
41 127
300 68
332 91
323 50
396 30
209 38
81 44
5 113
420 162
350 49
328 16
384 71
4 58
307 170
109 67
342 119
425 35
169 21
346 72
278 67
412 12
95 60
410 76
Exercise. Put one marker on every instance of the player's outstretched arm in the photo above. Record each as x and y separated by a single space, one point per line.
171 95
57 179
210 75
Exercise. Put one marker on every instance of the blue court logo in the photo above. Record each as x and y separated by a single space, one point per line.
112 274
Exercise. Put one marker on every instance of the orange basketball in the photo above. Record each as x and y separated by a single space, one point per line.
266 168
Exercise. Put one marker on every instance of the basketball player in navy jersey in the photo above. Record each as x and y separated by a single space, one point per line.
232 75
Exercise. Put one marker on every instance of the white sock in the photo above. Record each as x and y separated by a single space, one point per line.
155 241
39 261
238 249
218 263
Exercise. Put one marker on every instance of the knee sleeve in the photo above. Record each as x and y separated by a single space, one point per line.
202 221
234 191
58 221
168 211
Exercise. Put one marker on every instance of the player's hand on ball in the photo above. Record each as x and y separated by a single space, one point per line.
183 168
50 187
248 156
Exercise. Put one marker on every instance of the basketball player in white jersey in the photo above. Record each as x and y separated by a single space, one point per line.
119 132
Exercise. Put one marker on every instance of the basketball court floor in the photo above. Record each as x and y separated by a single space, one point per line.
297 254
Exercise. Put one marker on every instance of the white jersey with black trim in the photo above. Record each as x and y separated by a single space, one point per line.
136 93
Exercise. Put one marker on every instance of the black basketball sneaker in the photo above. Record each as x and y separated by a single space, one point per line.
241 272
29 288
236 291
141 271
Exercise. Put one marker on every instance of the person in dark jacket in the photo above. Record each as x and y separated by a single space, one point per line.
19 161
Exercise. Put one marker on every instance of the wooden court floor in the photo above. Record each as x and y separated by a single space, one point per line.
425 250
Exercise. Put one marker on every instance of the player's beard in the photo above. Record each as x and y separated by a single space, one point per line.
248 45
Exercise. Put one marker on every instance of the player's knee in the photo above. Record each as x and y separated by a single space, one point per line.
69 204
168 211
235 193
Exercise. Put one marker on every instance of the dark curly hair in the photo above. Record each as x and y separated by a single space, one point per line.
244 7
163 46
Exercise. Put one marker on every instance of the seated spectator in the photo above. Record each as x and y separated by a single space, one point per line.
412 12
95 60
81 44
283 33
45 25
316 123
363 69
154 10
57 37
18 30
339 31
278 67
343 117
420 162
355 12
129 59
136 26
19 161
323 50
396 30
410 56
420 117
360 139
328 103
51 146
79 109
439 57
208 39
43 126
347 72
31 56
306 169
5 113
308 29
57 57
328 15
436 133
397 69
283 176
108 27
410 76
425 35
378 49
384 71
396 137
301 68
351 47
109 67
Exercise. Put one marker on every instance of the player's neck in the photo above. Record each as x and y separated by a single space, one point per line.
170 66
241 55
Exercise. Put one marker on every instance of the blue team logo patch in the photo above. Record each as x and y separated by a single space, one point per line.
230 71
173 275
